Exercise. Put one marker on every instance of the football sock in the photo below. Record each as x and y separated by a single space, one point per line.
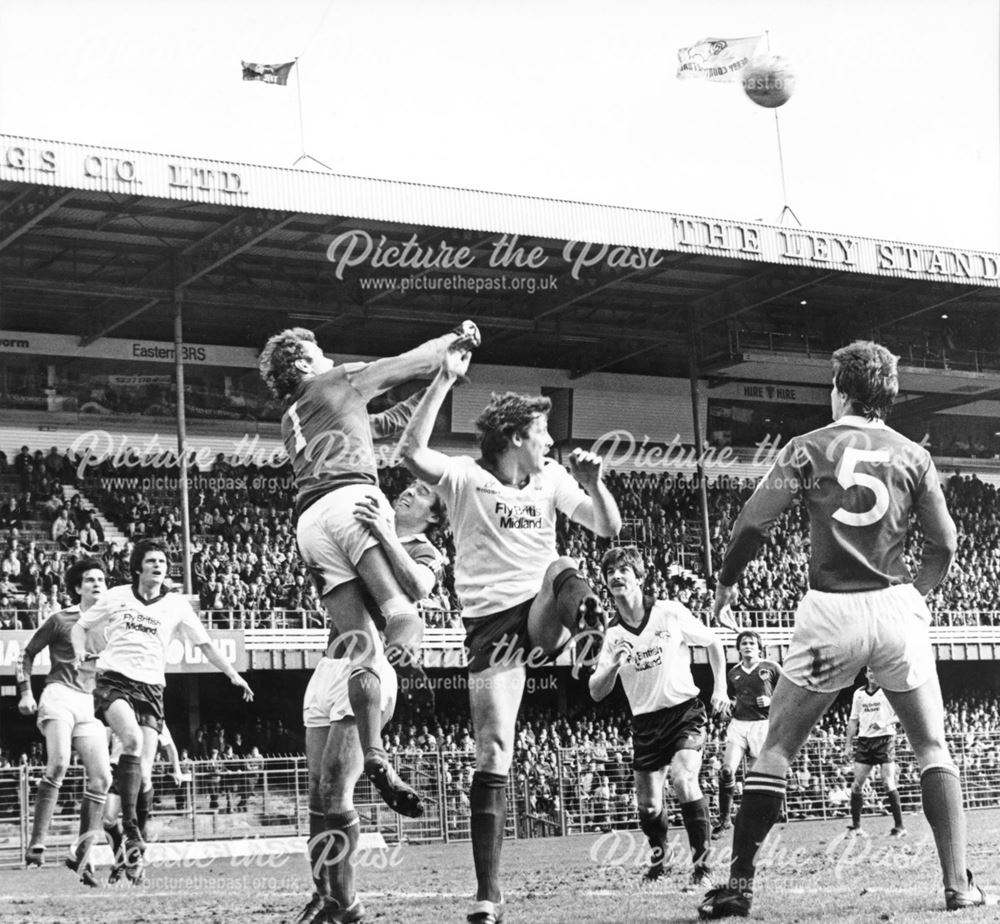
892 797
488 808
655 825
129 780
143 809
404 632
857 802
699 828
364 690
91 810
569 589
344 828
763 796
727 786
114 832
45 807
942 798
320 851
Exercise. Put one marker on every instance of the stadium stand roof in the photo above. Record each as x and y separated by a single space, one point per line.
96 242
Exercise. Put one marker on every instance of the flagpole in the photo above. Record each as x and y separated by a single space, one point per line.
786 209
302 124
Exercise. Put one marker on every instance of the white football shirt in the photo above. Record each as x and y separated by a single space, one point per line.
876 718
658 671
138 632
505 536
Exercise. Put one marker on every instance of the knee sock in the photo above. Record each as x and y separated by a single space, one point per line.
857 802
942 798
343 828
364 690
569 589
129 780
143 809
91 811
656 825
892 797
319 851
488 807
727 786
45 806
404 632
763 795
699 829
113 829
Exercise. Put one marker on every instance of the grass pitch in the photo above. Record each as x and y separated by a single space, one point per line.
813 874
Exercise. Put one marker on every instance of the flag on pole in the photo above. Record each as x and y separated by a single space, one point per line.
717 59
267 73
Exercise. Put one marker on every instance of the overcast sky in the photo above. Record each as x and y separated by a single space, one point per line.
892 132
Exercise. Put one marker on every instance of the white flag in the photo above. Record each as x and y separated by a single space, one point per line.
718 59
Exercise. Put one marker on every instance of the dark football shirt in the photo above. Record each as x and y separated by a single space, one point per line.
746 685
329 434
859 481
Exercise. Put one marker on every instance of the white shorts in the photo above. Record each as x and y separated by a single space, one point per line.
331 541
60 703
748 735
837 635
326 700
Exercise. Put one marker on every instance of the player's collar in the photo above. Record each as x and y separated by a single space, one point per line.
142 600
856 420
413 537
751 668
647 608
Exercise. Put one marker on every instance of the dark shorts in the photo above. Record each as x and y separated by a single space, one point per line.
875 751
146 699
502 638
658 736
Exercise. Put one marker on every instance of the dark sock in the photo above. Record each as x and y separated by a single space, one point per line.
143 809
942 798
857 803
569 589
699 828
364 690
129 780
319 852
726 789
488 807
345 829
656 825
114 833
45 806
892 797
91 810
763 796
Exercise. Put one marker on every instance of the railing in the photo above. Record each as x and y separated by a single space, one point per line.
568 791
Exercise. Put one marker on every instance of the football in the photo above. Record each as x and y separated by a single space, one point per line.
769 81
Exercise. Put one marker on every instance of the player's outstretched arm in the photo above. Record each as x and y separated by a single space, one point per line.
392 421
215 658
383 374
599 512
426 463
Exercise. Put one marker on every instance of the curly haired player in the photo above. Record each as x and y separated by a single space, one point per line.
328 435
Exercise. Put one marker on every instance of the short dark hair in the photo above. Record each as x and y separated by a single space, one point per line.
74 576
749 633
866 372
504 417
277 361
623 555
141 549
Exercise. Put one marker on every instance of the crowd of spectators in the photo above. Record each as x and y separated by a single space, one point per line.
246 570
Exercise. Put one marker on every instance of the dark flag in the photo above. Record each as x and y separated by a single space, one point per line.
267 73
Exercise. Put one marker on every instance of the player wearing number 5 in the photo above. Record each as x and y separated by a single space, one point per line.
859 481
